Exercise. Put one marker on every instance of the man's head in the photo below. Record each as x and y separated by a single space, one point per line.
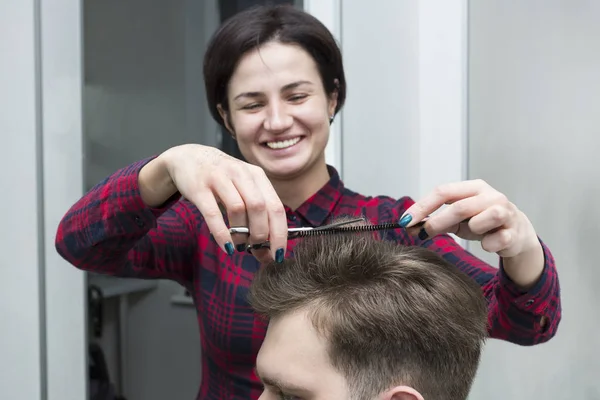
352 317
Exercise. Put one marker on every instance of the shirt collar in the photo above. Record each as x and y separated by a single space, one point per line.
317 209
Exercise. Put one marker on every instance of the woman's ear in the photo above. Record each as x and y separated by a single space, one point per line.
333 97
225 117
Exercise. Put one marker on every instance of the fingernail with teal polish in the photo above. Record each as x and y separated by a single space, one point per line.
241 247
423 234
405 220
229 248
279 255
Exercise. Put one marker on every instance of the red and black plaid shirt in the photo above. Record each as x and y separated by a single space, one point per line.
111 231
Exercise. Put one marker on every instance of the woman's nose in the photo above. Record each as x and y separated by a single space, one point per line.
278 119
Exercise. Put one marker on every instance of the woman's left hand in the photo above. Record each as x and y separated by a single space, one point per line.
475 211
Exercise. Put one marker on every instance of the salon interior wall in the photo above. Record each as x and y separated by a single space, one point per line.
534 132
144 93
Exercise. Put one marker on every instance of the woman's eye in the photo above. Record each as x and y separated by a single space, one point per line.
252 106
297 97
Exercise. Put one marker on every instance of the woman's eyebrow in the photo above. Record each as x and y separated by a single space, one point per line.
289 86
247 94
294 85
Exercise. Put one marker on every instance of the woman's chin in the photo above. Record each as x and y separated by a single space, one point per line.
279 171
285 168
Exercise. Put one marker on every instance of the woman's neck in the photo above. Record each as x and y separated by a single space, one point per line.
295 191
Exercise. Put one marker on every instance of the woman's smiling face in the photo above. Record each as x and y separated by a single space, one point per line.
279 111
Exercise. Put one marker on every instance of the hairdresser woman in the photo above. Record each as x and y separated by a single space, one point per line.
274 78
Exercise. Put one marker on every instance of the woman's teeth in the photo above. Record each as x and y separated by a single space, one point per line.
283 144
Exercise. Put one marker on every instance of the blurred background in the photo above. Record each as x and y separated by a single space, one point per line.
438 91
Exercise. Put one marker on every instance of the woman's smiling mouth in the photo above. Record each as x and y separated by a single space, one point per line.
283 144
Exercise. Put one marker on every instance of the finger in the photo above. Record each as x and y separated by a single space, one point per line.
256 209
444 194
448 219
209 208
497 241
491 218
278 228
263 255
461 230
235 208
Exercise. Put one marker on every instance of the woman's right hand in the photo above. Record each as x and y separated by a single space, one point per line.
208 177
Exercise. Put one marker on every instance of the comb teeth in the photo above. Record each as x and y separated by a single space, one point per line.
333 230
347 229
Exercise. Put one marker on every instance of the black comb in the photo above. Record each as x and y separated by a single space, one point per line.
335 228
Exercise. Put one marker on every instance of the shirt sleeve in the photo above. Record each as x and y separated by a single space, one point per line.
521 317
110 230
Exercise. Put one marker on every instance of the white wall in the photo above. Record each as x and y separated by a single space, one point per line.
42 340
65 289
20 127
534 133
381 117
403 124
329 12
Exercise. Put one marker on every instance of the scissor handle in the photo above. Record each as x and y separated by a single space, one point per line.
256 246
292 232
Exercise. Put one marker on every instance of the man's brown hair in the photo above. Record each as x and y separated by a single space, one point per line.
391 315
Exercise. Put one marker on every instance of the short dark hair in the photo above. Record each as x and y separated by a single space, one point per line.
392 315
258 25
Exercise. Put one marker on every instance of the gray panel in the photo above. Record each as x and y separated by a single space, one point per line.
143 93
534 134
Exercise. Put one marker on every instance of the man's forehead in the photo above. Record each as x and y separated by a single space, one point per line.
293 354
295 332
292 350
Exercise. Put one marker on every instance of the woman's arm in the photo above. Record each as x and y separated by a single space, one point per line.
518 315
525 317
111 230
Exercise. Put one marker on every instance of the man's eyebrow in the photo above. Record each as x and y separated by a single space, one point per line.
289 86
278 383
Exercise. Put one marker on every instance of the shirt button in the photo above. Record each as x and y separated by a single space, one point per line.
292 217
139 222
529 302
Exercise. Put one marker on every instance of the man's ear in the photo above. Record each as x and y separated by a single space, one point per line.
225 118
401 393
